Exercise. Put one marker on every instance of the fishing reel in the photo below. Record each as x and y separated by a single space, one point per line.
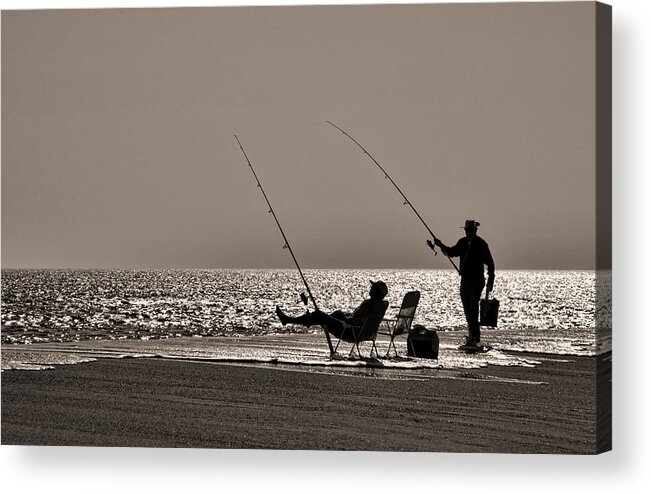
432 245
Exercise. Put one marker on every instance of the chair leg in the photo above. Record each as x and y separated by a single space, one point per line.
413 350
374 347
355 351
392 344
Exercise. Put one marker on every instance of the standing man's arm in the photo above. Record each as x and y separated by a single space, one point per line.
490 264
454 251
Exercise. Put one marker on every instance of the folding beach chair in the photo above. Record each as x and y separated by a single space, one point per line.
402 322
367 332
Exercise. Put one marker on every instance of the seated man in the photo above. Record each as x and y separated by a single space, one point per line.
337 323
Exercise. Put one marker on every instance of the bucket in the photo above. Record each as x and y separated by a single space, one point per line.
488 310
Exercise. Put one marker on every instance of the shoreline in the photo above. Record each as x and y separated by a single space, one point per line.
553 407
297 349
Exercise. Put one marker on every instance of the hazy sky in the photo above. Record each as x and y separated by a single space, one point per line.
118 147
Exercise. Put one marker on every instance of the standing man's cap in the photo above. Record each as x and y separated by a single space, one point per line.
470 224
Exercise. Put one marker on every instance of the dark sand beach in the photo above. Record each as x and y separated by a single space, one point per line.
550 408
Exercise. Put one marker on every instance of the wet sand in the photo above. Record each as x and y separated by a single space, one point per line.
551 408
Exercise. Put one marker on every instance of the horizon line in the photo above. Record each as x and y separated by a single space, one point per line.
177 268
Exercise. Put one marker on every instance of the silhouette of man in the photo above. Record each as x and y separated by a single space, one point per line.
474 254
338 321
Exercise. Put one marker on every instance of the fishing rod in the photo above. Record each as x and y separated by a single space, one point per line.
286 246
386 175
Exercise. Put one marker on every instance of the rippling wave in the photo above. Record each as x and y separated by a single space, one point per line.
73 305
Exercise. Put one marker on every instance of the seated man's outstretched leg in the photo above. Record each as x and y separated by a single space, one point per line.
307 319
316 318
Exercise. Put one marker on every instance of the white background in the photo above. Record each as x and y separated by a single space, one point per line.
27 469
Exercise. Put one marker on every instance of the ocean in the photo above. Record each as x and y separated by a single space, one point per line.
551 312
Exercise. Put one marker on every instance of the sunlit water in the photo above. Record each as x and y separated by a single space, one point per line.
128 311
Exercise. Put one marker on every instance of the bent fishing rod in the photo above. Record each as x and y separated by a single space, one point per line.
286 246
386 175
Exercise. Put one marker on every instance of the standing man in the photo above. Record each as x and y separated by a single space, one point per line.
474 254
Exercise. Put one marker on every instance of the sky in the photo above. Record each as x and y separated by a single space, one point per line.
118 126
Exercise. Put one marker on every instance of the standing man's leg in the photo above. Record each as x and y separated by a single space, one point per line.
464 291
470 295
477 287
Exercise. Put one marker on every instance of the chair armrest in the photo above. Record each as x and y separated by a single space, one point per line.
386 326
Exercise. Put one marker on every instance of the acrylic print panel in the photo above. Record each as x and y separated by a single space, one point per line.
156 162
